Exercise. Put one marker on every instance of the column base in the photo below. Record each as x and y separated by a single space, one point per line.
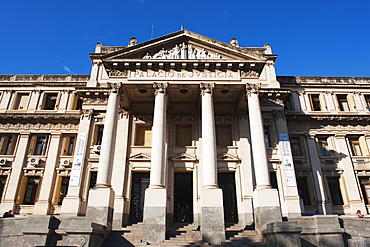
154 228
71 206
212 216
266 208
42 208
100 206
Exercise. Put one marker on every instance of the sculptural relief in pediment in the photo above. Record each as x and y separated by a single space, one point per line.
183 51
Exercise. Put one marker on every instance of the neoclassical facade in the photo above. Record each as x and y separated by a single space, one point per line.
183 128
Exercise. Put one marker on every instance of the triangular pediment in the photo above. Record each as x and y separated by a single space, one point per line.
228 157
140 157
185 45
183 157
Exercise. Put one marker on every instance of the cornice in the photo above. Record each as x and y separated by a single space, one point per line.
39 116
294 117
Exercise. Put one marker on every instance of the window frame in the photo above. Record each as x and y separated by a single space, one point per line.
33 189
18 101
8 144
36 144
314 100
45 101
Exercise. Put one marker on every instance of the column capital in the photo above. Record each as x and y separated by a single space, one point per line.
252 88
115 87
160 87
206 88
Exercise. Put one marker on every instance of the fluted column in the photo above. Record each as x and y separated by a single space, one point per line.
109 133
158 137
258 138
209 151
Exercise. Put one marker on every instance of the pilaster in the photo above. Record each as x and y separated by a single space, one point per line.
318 177
15 179
45 200
5 99
290 194
353 191
72 203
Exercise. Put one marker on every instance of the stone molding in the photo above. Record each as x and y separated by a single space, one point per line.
206 88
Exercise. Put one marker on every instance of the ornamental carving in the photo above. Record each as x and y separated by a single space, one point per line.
117 73
253 88
160 87
207 88
183 51
249 74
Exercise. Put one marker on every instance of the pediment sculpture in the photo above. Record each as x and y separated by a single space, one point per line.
183 51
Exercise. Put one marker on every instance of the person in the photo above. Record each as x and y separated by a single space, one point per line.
359 214
8 214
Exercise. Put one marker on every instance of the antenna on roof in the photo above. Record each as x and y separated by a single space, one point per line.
182 26
151 37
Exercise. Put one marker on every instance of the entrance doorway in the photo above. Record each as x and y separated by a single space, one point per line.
183 197
140 181
226 181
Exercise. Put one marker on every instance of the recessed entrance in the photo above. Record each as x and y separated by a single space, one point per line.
226 181
183 197
140 181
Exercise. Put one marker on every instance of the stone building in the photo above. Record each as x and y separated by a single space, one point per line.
181 128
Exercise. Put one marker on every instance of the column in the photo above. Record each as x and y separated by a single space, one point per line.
101 198
318 177
45 200
154 229
289 189
120 169
16 174
353 190
212 211
265 199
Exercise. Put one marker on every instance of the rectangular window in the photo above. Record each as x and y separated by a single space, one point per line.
183 135
324 147
143 135
355 147
365 188
335 192
295 146
69 144
31 190
63 189
223 135
93 177
50 101
288 105
315 102
2 186
21 101
39 144
367 100
98 135
8 143
266 131
343 102
303 190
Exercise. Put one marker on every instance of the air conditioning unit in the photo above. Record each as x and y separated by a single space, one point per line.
64 162
3 161
34 161
97 148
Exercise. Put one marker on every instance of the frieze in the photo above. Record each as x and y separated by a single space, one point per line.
183 75
249 74
183 51
44 78
117 73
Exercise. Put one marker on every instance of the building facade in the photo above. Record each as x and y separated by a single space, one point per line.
183 128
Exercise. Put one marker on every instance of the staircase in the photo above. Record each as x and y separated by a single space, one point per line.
184 234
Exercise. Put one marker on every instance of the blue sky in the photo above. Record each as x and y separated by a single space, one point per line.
313 38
